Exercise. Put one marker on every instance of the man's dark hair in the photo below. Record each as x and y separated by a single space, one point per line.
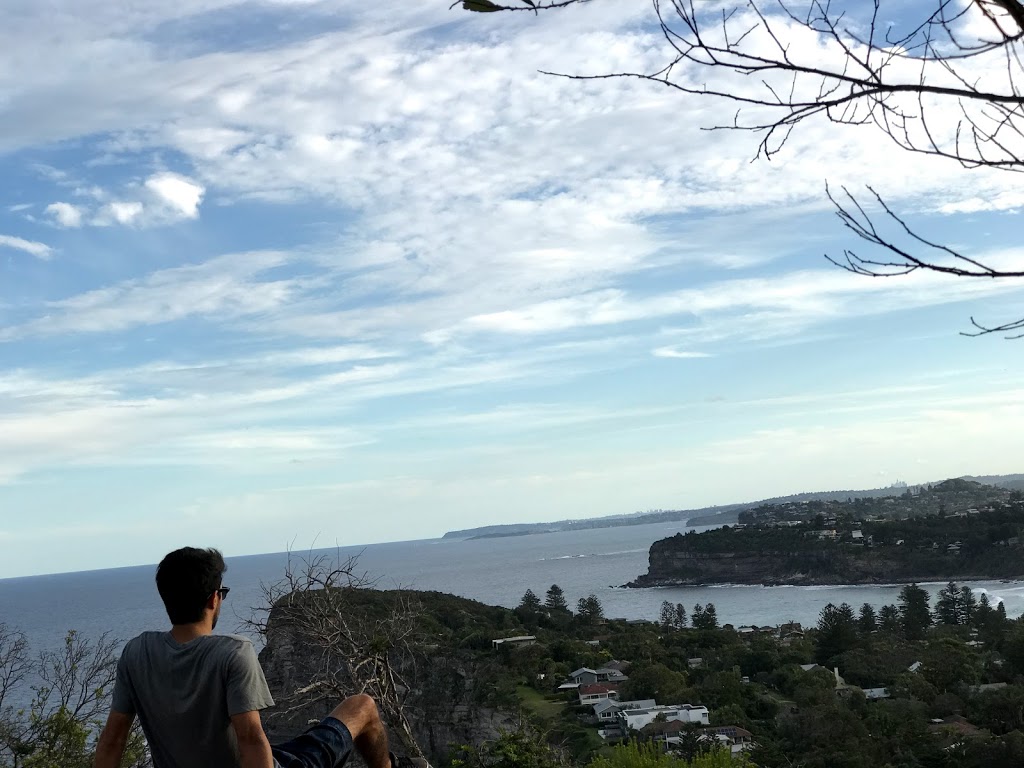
186 578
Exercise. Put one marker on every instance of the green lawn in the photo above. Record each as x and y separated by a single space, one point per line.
535 702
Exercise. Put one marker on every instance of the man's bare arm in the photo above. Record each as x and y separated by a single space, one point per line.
112 741
253 746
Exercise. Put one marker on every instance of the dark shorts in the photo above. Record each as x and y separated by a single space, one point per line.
327 744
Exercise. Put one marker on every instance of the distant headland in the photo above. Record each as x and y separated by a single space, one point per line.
957 529
726 514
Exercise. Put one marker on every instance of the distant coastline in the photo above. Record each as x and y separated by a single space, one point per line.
725 514
956 529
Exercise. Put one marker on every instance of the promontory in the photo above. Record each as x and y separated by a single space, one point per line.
956 530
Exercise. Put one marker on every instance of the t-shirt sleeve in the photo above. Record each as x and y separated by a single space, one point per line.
247 687
123 698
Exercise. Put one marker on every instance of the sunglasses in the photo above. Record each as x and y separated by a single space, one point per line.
223 592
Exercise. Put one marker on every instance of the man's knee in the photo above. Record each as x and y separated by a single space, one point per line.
358 713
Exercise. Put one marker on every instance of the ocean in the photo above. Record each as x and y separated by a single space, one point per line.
124 601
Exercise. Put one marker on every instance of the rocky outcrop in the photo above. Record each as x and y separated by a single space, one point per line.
441 707
673 562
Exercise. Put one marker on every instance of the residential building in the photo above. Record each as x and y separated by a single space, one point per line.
514 641
595 692
635 719
607 710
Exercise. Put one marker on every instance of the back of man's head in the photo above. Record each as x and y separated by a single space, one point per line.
186 578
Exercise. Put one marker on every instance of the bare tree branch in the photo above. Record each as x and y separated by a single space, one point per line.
936 87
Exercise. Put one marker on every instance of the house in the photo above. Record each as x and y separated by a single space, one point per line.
514 642
736 738
588 676
584 676
594 692
695 662
874 694
636 719
955 725
915 666
607 710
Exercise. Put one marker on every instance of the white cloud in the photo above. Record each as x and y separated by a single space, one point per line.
225 287
180 194
65 214
120 213
679 354
31 247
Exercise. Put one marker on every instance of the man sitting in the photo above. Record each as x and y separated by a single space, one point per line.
198 695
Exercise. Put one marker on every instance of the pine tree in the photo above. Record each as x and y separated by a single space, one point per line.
530 602
946 606
867 622
837 633
589 609
668 615
915 614
889 619
705 617
680 622
556 598
595 611
966 607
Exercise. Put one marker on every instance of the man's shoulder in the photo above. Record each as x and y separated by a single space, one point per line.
233 641
143 640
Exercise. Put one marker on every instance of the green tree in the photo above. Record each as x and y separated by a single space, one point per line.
837 633
867 623
634 754
555 598
658 682
668 615
966 607
530 602
705 617
590 609
680 621
946 607
523 748
950 664
915 614
889 619
697 616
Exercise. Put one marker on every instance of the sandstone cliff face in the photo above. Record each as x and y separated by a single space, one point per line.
440 705
673 563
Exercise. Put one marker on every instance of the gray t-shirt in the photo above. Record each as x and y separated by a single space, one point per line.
185 694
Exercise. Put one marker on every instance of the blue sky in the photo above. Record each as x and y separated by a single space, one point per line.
277 273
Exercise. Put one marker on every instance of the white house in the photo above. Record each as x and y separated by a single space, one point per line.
607 710
595 692
635 719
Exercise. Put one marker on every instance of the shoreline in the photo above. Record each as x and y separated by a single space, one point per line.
797 582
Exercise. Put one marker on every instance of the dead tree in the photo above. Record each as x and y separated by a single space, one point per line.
947 84
350 639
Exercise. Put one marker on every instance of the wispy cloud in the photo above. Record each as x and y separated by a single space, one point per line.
31 247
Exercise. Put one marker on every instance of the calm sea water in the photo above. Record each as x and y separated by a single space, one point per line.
124 601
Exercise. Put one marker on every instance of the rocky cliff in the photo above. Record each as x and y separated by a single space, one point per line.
674 562
443 701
